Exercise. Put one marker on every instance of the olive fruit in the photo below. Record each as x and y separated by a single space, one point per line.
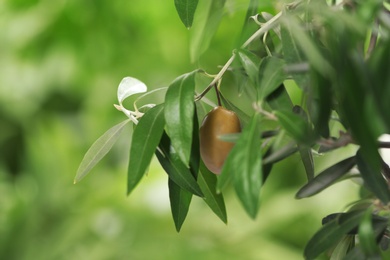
214 151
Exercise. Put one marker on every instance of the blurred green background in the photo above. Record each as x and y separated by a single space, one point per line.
60 65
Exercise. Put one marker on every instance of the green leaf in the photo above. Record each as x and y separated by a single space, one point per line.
179 112
99 149
293 55
296 126
367 236
373 178
244 164
280 154
279 99
208 184
301 42
180 200
175 168
307 160
250 62
146 137
331 233
249 27
186 10
271 76
343 247
326 178
244 118
205 25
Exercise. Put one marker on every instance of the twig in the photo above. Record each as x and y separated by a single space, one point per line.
265 28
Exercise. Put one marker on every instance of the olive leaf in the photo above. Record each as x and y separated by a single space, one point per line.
331 232
146 137
271 76
244 166
206 22
186 10
129 86
180 201
99 149
367 239
175 168
179 112
208 184
296 126
326 178
250 62
372 177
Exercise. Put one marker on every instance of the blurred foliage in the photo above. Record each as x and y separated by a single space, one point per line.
60 64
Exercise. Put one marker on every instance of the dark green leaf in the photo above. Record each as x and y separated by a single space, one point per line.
180 200
304 150
279 99
244 118
379 64
280 154
331 233
271 76
367 238
293 55
205 25
343 247
250 62
175 168
208 184
245 166
249 26
326 178
299 41
307 160
320 103
99 149
186 10
179 113
372 177
146 136
296 126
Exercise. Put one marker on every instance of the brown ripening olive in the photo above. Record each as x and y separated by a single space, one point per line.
214 151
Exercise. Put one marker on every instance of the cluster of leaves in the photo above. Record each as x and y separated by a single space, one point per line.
339 56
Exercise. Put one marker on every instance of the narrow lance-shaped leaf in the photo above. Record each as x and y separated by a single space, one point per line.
367 236
279 99
307 160
306 45
305 150
146 137
326 178
372 177
296 126
179 112
180 200
186 10
98 150
332 232
245 166
244 118
175 168
343 247
250 62
206 22
293 55
208 184
271 76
